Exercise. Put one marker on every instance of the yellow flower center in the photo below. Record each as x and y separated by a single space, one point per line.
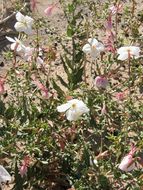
73 106
94 46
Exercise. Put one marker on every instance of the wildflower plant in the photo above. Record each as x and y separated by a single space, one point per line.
82 130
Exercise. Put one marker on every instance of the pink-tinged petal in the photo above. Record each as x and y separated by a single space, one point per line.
86 48
50 9
33 4
63 107
13 46
123 56
23 170
127 164
39 60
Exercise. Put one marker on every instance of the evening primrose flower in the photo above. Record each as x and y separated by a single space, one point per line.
128 162
101 82
93 47
24 23
74 109
16 44
128 52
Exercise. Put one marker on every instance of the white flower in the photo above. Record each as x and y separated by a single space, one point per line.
93 47
74 109
16 44
4 175
128 51
24 23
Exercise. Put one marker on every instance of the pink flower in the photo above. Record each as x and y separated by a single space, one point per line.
24 167
50 9
101 82
41 87
2 89
33 4
120 96
109 38
128 164
116 8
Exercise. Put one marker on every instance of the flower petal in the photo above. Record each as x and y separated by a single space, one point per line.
86 48
63 107
72 115
93 41
29 20
19 17
10 39
19 26
100 47
122 50
123 56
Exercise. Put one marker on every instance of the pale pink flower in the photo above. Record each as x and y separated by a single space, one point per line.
29 53
41 87
2 89
120 96
48 11
108 25
24 167
33 4
116 8
109 38
128 164
101 82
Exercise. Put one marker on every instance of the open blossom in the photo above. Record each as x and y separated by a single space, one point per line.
74 109
48 11
24 23
128 52
93 47
2 89
127 164
101 82
24 167
16 44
